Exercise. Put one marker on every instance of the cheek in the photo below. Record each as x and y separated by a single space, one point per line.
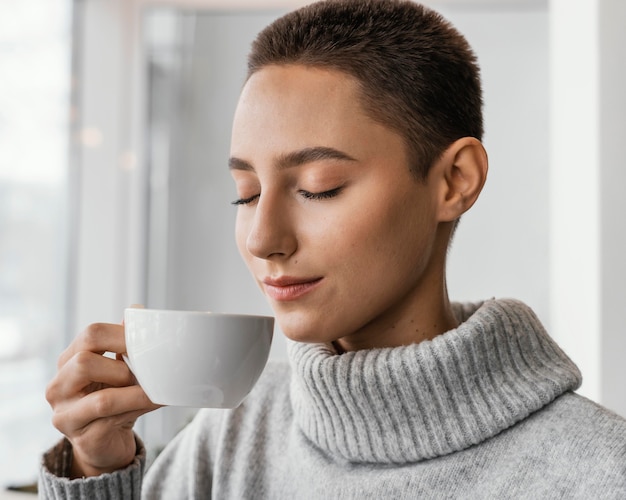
390 234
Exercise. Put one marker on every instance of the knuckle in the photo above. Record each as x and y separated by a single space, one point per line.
82 361
92 333
102 403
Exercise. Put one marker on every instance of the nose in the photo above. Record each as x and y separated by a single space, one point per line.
271 233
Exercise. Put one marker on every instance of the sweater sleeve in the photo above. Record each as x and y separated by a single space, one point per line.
54 481
182 470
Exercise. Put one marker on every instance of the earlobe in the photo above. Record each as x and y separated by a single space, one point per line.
462 172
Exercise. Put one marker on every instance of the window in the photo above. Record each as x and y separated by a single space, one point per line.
34 111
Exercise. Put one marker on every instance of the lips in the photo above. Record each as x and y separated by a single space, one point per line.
286 288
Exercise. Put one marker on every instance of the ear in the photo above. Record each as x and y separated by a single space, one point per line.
460 174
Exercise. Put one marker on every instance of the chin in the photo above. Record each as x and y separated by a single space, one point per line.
299 333
304 337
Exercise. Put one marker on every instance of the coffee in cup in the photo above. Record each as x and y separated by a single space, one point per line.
196 359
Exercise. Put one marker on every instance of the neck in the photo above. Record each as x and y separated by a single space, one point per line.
423 313
419 318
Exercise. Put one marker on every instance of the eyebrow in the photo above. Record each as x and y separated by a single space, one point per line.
295 158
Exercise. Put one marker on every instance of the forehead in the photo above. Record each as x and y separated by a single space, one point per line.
300 88
295 106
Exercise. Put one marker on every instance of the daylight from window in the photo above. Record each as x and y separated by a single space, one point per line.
34 112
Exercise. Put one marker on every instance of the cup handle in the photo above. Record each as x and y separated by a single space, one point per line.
124 356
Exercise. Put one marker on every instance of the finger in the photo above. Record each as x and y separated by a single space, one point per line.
98 338
85 372
73 417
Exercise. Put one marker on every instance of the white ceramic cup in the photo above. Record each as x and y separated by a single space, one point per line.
196 359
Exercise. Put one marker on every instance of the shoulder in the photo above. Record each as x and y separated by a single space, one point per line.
571 448
583 436
576 415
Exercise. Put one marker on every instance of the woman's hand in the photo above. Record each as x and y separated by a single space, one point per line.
96 401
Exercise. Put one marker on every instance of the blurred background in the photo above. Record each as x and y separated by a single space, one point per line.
115 123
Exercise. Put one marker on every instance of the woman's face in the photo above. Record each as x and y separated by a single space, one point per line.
337 232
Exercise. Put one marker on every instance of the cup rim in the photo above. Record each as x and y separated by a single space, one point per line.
142 310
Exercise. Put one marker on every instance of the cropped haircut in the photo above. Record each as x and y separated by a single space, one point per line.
416 73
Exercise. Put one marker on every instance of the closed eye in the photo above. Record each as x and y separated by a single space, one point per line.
324 195
245 201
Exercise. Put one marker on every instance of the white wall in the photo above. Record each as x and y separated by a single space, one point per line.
588 244
501 248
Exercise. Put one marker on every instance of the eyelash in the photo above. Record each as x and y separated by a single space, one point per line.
324 195
245 201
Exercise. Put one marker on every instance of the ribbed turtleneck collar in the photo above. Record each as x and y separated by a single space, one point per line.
410 403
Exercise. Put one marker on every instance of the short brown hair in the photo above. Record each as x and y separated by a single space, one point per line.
417 73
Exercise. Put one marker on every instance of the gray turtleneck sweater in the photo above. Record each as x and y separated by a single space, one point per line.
482 411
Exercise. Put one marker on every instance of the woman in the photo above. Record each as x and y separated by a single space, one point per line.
355 151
